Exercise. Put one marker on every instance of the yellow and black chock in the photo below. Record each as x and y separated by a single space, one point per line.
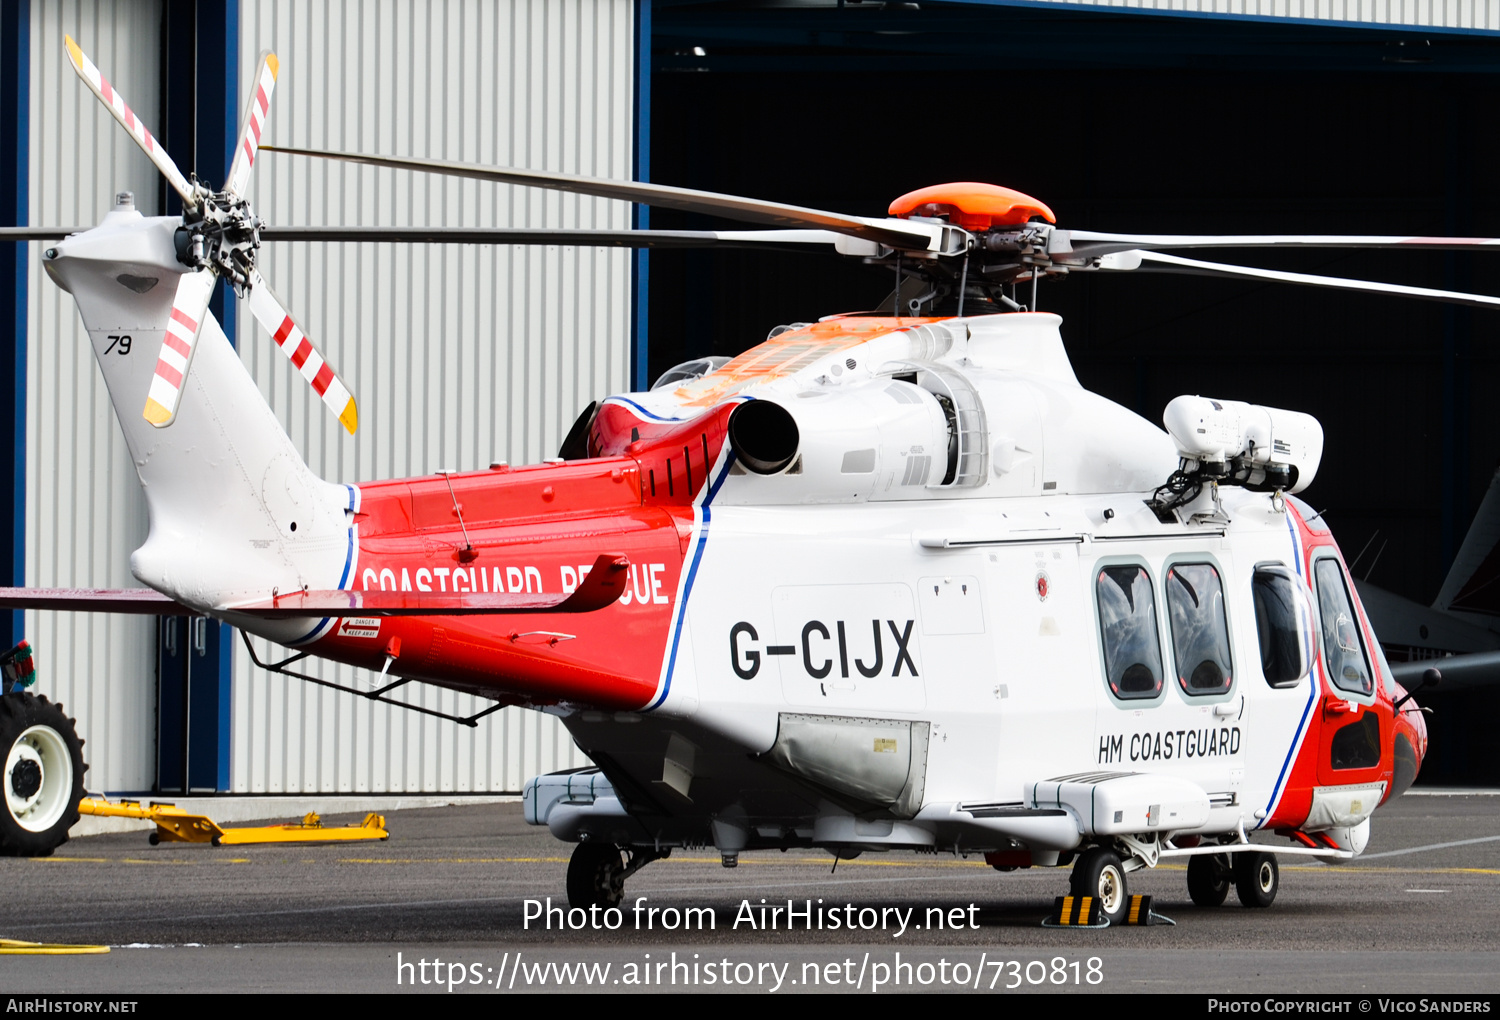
1088 912
1140 913
1077 912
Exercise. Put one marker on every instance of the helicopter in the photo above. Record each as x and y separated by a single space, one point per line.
888 581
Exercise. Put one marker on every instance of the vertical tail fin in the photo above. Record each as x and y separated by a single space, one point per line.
235 512
1471 586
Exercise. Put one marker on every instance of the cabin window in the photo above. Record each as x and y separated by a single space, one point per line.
1282 619
1127 623
1343 646
1356 746
1200 630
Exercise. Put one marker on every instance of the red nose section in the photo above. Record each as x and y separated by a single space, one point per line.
1410 739
973 206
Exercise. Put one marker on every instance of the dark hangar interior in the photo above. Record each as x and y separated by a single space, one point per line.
1130 120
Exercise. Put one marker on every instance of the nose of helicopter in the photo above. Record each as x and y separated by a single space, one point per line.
1410 743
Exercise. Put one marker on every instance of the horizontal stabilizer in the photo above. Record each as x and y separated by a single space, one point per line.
134 601
603 585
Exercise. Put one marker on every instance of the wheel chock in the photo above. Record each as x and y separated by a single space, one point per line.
174 825
15 947
1141 914
1077 912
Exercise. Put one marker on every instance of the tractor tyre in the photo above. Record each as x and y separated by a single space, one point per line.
43 775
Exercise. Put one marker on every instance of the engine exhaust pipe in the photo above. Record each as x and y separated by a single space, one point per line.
763 436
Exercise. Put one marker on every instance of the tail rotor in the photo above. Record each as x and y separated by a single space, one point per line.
219 238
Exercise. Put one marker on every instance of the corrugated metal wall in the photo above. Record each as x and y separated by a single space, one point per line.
457 355
84 508
1480 14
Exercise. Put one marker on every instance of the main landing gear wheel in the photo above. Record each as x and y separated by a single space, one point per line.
1100 874
43 775
596 876
1208 879
1256 878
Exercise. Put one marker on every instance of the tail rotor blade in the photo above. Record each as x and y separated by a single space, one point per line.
177 346
272 314
122 113
255 123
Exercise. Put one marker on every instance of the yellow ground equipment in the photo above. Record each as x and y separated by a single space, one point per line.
15 947
174 825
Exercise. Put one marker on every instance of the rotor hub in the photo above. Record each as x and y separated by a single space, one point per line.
973 206
221 233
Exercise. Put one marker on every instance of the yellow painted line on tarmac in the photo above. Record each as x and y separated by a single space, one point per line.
1356 869
451 860
766 860
137 860
744 861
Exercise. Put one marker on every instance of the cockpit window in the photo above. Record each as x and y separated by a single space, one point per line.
1343 646
1200 630
1127 624
1283 624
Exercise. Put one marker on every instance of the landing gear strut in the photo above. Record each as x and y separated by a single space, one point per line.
597 872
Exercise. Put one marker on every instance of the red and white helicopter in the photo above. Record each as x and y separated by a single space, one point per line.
885 581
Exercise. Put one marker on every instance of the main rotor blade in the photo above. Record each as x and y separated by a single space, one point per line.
177 346
1093 243
255 122
37 233
272 314
1157 262
122 113
786 239
891 233
789 240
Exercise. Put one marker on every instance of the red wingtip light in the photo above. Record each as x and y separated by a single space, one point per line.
972 206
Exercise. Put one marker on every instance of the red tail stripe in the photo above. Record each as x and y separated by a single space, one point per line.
285 331
260 97
299 356
177 344
170 374
249 152
109 93
178 314
322 379
129 119
255 130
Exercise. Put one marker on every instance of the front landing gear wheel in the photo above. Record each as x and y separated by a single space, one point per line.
1100 874
43 775
1256 878
596 876
1208 879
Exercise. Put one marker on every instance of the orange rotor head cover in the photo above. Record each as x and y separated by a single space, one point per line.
972 206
